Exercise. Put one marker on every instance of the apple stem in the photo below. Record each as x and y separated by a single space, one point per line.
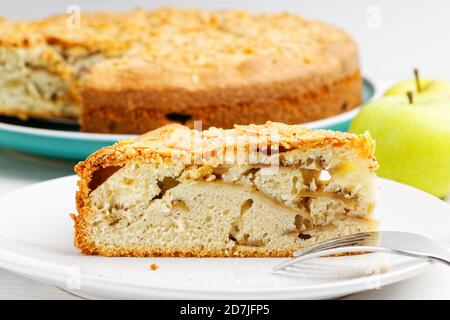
416 76
410 97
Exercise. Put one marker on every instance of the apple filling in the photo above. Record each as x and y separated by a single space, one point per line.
43 79
225 207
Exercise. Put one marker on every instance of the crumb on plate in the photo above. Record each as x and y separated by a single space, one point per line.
154 266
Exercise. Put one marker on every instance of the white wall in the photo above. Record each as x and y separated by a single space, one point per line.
411 33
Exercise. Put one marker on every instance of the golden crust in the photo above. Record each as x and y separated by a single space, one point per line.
163 143
290 102
168 140
161 252
210 35
300 71
220 58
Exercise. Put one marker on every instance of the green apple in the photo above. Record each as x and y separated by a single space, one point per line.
412 140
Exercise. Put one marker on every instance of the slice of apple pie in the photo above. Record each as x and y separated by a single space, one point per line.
252 191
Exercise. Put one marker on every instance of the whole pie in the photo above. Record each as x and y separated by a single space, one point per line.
134 71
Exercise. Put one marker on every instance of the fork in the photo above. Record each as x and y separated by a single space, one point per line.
402 243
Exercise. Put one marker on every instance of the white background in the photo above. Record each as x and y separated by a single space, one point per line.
393 36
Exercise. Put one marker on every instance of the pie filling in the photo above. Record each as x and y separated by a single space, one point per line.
44 78
227 207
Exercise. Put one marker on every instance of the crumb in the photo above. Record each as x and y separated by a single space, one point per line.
154 266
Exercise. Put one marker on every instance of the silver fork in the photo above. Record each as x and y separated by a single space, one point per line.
402 243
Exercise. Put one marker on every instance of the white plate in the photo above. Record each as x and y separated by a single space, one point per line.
36 240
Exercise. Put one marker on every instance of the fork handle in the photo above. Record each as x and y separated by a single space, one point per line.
443 258
308 256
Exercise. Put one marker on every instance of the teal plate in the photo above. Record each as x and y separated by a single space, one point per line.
60 139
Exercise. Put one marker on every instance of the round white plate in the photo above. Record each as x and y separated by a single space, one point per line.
36 240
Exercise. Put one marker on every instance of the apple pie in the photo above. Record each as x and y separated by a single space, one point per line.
132 72
252 191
